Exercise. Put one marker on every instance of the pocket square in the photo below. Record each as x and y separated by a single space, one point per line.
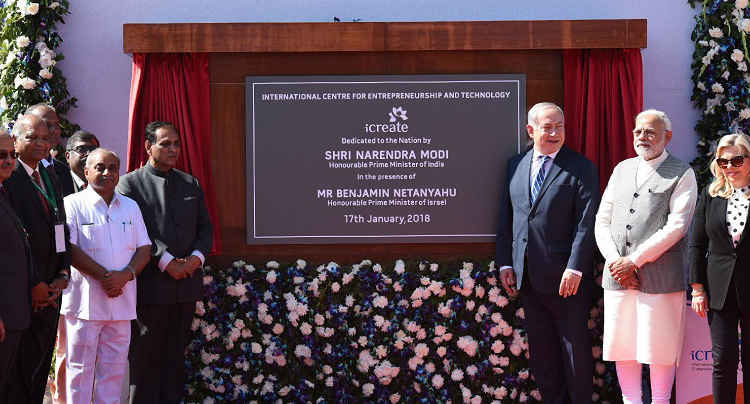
187 198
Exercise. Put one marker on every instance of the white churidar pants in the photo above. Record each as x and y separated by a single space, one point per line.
96 359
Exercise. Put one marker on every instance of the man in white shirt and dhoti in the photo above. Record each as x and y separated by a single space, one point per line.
110 246
644 214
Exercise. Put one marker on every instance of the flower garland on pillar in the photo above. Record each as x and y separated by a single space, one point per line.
28 58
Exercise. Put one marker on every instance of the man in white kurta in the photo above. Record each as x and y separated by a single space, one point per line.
643 217
110 246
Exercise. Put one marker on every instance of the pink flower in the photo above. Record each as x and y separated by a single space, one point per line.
278 329
457 375
441 351
498 346
437 381
421 350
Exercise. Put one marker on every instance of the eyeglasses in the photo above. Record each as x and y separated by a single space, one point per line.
82 150
549 129
648 133
5 155
736 161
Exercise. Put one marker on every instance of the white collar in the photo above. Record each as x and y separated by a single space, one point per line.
28 168
77 179
655 162
537 154
91 196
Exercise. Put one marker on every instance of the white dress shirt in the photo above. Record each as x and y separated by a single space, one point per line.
536 165
109 234
30 172
681 208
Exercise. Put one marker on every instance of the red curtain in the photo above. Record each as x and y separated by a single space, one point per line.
603 94
175 88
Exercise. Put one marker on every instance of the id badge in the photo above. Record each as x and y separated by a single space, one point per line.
60 238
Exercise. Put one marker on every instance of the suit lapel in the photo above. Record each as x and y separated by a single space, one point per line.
719 211
554 171
520 182
31 191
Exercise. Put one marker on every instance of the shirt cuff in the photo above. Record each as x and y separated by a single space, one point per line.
504 267
638 259
573 271
200 256
166 258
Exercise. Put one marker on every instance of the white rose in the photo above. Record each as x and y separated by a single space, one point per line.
745 24
717 88
742 66
32 9
24 82
744 113
23 41
45 74
737 55
3 103
46 61
701 86
740 4
715 32
54 5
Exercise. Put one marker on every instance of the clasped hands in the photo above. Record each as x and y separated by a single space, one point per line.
45 294
625 272
181 268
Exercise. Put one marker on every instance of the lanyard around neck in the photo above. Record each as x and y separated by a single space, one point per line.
49 195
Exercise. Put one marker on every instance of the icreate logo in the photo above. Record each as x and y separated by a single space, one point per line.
396 116
397 113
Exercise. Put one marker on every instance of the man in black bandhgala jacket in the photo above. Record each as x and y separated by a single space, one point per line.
181 233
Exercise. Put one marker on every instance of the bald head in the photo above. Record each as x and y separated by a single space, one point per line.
49 116
96 154
103 172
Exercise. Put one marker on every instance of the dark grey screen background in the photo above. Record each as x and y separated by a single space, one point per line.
286 165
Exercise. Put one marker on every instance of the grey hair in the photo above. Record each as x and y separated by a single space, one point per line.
36 107
100 150
659 114
539 107
24 125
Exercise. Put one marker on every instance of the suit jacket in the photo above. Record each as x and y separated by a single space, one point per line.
713 258
557 231
177 221
62 171
15 271
39 225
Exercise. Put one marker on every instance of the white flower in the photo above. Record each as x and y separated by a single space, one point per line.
715 32
744 113
24 82
725 75
32 9
54 5
335 287
437 381
301 264
717 88
380 301
740 4
400 267
742 66
737 55
271 277
23 41
3 103
47 59
457 375
303 351
745 24
368 389
272 264
701 86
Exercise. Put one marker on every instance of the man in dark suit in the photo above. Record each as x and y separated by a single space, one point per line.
15 272
36 197
79 145
545 250
48 114
181 234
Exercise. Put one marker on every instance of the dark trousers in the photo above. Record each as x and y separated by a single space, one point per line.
157 352
726 355
28 378
8 353
560 344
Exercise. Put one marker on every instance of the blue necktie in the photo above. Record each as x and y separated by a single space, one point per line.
539 180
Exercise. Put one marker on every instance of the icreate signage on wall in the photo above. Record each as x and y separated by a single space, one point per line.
373 159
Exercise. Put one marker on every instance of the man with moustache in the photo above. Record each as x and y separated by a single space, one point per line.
15 272
48 114
36 196
110 247
181 234
645 213
545 251
79 145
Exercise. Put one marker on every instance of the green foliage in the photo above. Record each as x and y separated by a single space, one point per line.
28 57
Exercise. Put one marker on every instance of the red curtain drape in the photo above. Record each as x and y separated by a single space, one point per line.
175 88
603 94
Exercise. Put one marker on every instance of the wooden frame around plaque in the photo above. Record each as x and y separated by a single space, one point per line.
242 49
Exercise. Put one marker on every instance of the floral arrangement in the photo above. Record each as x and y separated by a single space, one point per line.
427 333
721 82
28 58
